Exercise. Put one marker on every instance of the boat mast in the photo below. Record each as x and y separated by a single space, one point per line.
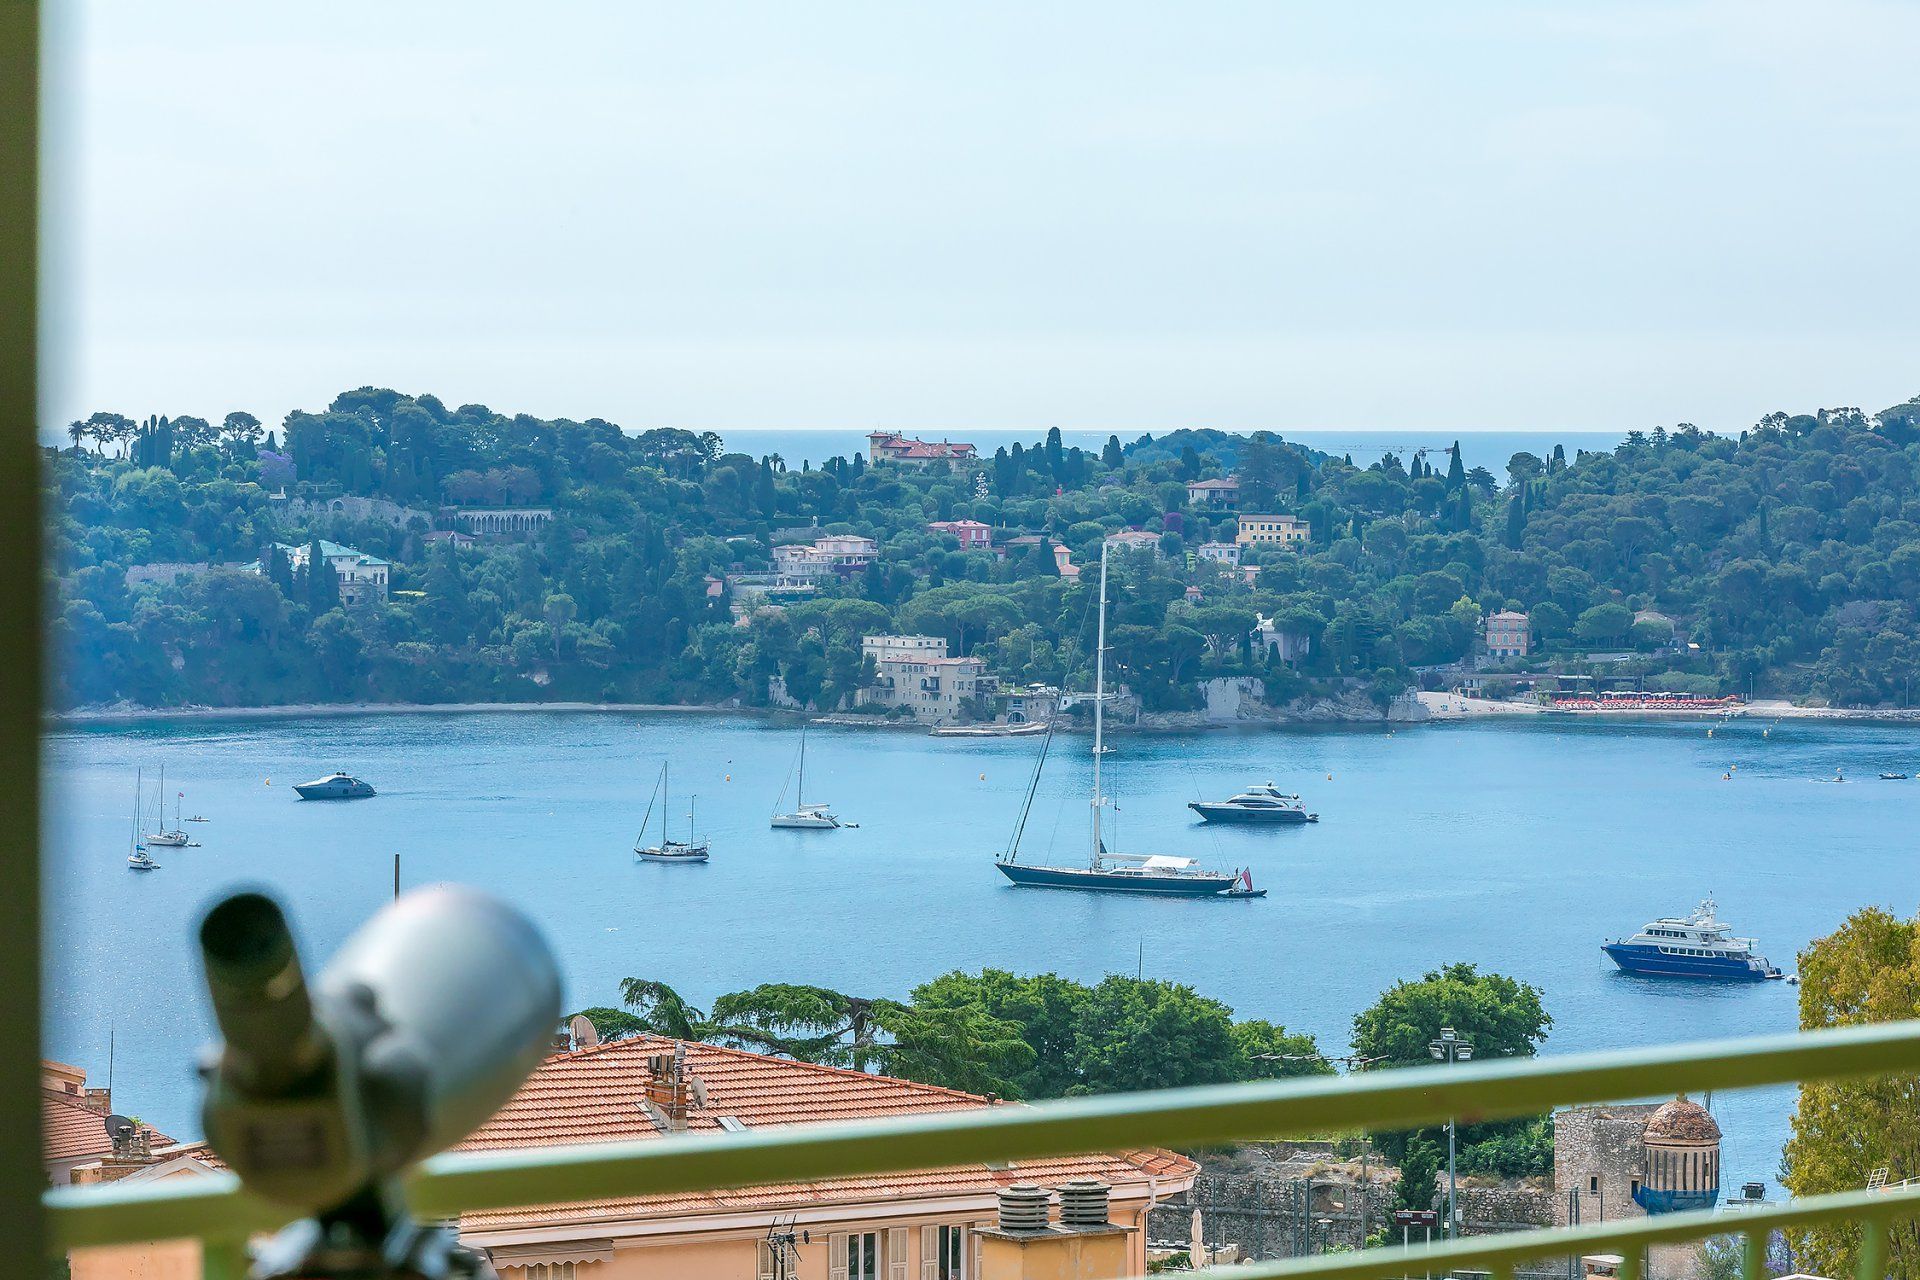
800 787
1099 707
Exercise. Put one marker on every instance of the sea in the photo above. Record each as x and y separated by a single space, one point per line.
1516 846
1489 449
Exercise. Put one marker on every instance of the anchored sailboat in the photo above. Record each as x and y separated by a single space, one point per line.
1149 873
174 837
668 850
137 857
805 817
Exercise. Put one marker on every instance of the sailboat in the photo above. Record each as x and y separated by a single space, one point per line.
137 857
171 838
1147 873
805 817
668 850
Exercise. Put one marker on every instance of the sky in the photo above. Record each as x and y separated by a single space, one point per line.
1115 216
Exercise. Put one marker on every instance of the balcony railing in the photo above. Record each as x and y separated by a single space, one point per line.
222 1216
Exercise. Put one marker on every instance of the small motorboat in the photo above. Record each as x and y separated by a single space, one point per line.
1243 887
335 786
1894 777
197 818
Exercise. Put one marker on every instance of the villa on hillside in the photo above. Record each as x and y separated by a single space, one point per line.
1227 553
974 535
1509 634
1223 493
363 578
1272 531
891 446
915 672
837 555
1288 646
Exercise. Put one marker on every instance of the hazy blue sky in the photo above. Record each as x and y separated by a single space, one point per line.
1522 215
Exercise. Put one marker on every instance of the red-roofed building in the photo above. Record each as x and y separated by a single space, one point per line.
974 535
918 1223
925 1223
891 446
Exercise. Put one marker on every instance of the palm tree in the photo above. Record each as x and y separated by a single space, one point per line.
76 431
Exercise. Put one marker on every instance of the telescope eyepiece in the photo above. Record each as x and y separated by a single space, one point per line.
246 937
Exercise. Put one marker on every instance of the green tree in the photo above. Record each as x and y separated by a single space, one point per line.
1134 1034
1606 624
558 610
659 1010
1503 1017
1866 971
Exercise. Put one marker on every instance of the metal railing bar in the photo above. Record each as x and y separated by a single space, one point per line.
1627 1237
1194 1117
1211 1115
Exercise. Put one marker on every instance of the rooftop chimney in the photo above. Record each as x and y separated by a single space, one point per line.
1023 1207
1023 1245
1083 1203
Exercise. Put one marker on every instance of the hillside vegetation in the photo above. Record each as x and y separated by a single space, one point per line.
1790 555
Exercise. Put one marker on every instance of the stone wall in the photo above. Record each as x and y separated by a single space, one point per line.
1270 1218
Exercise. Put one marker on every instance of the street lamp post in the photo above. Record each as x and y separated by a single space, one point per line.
1451 1048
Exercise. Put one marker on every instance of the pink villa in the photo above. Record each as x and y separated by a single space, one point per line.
1508 634
973 534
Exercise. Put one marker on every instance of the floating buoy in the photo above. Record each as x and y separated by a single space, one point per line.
729 777
1726 777
1709 733
1329 777
983 777
269 781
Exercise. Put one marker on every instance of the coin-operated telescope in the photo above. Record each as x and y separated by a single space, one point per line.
422 1026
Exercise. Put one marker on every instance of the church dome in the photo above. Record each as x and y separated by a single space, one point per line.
1682 1121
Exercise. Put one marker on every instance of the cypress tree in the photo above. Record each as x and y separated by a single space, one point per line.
1456 474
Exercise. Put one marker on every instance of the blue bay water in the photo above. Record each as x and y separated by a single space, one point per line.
1489 449
1517 846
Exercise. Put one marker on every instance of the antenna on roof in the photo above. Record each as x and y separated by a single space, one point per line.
585 1034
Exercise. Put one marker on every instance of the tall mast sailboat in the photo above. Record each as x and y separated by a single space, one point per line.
805 817
174 837
691 849
1147 873
137 856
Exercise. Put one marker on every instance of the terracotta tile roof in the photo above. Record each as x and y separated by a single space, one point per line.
71 1129
593 1095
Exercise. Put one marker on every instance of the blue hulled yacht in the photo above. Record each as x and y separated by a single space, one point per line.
1695 946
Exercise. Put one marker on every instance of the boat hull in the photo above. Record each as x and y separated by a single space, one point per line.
1651 962
804 822
332 790
168 840
1191 886
1250 817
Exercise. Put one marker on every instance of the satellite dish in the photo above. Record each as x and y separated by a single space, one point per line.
700 1093
585 1034
119 1128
